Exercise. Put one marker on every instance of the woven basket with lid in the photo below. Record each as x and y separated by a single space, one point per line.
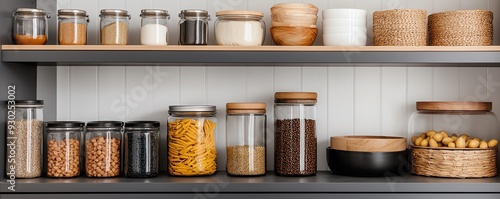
400 27
461 28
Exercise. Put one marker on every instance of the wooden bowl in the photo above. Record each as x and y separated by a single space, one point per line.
368 143
293 20
297 8
294 36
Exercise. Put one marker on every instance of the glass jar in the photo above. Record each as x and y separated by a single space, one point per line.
246 139
24 140
114 27
295 139
154 29
63 148
193 26
472 118
30 26
102 148
141 148
239 28
191 141
72 27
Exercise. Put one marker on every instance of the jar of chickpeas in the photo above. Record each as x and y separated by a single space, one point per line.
191 141
63 148
102 148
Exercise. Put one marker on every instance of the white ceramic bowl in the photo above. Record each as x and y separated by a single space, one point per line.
344 39
344 29
344 22
344 13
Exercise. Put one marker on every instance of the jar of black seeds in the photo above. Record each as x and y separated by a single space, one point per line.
141 148
295 140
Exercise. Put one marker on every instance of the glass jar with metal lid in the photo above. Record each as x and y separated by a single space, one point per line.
30 26
102 148
295 140
193 26
191 140
72 27
239 28
141 148
24 140
154 29
63 148
246 139
114 26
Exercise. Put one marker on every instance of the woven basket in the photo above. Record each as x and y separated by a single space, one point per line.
400 27
461 28
454 163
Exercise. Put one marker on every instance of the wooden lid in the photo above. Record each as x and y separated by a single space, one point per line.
454 106
246 107
368 143
239 12
295 96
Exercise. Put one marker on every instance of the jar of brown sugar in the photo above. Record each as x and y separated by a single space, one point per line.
114 27
30 26
72 27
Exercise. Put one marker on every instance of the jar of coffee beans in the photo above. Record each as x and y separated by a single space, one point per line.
295 133
63 148
102 148
141 148
246 139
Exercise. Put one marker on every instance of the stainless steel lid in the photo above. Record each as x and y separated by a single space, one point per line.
192 108
30 11
72 12
114 12
154 12
194 13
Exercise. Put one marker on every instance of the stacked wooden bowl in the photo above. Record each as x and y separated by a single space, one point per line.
294 24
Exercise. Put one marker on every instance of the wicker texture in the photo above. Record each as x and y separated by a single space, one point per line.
454 163
400 27
461 28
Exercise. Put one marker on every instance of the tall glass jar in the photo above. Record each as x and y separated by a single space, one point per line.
30 26
63 148
193 26
295 140
114 27
72 27
24 140
246 139
239 28
141 148
154 29
102 148
191 140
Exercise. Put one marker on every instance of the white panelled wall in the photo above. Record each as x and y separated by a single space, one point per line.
352 99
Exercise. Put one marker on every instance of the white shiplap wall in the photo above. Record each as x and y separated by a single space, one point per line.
352 99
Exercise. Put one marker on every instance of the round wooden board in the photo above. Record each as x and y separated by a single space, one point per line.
368 143
454 106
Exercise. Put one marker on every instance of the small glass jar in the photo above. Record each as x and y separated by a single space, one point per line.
154 30
102 148
295 139
191 141
141 148
246 139
72 27
239 28
24 140
114 27
193 26
63 148
30 26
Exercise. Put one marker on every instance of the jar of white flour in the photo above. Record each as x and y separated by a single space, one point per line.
239 28
154 29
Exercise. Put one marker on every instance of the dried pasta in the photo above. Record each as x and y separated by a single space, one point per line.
191 147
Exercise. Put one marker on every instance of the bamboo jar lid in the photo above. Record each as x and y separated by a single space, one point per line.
295 97
246 107
454 106
368 143
239 12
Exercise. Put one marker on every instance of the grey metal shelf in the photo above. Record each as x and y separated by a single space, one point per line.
276 55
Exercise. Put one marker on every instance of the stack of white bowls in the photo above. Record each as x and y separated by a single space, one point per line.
344 27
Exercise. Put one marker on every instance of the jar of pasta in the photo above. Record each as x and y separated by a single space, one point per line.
191 142
102 148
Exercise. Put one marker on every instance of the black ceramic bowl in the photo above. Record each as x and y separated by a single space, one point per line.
367 164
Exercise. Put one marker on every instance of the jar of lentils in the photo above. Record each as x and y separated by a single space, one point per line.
102 148
295 133
63 148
